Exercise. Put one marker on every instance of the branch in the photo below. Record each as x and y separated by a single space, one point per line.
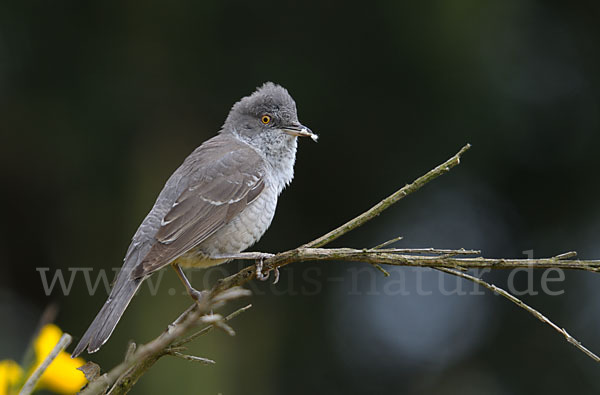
435 258
29 385
122 378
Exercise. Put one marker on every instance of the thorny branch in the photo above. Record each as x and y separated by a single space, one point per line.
121 379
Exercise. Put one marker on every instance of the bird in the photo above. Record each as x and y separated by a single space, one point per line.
218 203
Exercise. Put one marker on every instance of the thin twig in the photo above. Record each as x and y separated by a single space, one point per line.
566 255
524 306
387 243
193 358
387 202
209 328
31 382
381 269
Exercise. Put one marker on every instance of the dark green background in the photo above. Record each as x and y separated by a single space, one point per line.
101 101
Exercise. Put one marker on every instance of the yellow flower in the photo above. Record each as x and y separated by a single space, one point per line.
62 375
10 376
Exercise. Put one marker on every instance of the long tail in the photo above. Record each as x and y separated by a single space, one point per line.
110 314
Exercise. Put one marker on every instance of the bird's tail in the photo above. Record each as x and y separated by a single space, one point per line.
108 317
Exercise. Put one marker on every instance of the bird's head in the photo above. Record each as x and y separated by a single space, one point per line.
268 114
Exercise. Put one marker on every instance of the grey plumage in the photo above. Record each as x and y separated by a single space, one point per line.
218 202
225 176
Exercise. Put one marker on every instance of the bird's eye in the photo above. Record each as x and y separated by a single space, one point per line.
265 119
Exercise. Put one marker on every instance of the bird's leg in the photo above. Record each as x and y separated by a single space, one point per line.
194 293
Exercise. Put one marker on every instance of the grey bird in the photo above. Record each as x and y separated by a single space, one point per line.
219 202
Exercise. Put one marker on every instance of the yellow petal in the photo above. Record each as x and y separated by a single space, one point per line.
62 375
10 375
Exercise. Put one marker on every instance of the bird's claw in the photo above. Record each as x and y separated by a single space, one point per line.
259 270
265 276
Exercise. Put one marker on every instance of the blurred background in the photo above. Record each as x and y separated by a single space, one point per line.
101 101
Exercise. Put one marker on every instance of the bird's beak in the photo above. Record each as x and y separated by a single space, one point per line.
300 131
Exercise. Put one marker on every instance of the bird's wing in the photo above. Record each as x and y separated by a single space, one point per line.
222 183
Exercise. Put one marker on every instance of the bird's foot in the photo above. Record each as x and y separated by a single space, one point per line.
197 295
265 276
259 271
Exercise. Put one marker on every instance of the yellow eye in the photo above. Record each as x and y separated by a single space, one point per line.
265 119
